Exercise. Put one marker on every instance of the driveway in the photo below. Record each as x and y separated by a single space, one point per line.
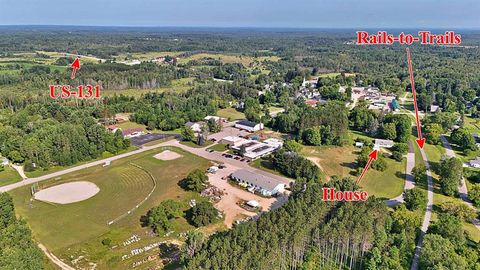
409 179
228 131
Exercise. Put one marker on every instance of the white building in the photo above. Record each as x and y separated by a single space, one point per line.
475 163
195 126
253 149
4 161
249 125
260 183
383 143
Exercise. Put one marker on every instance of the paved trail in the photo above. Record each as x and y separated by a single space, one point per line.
462 188
428 213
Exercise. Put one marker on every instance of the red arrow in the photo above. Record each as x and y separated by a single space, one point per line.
372 156
420 140
75 65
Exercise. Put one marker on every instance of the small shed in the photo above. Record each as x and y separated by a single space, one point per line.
253 204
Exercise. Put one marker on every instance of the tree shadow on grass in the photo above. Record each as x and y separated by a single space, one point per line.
350 165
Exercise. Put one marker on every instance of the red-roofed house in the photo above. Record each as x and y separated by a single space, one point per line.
311 102
132 132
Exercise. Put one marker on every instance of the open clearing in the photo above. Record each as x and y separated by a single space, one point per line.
9 176
332 160
77 229
167 155
68 192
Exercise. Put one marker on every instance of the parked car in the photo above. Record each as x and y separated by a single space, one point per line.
213 140
221 166
237 158
228 156
242 159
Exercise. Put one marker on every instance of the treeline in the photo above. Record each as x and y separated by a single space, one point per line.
324 124
45 135
17 249
309 233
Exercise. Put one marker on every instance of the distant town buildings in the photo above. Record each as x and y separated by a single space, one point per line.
376 99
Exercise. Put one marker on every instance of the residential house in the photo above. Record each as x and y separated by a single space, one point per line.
195 126
383 143
132 132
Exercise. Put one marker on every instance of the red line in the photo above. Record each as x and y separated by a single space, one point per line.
364 170
412 83
73 73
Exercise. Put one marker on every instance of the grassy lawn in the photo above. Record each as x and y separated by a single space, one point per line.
231 114
332 160
9 176
219 147
387 184
266 165
77 229
129 124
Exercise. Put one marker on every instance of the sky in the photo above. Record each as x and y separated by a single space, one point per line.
245 13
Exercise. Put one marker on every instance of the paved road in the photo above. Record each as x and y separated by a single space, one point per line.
428 213
462 188
197 151
30 181
409 179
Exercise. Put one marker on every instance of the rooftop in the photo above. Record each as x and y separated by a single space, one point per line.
256 179
247 123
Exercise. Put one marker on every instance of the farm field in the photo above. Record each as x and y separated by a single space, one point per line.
9 176
178 85
77 229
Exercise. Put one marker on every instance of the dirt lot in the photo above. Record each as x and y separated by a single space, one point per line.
167 155
68 193
228 203
228 131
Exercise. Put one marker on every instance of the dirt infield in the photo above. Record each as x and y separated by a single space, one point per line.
167 155
68 192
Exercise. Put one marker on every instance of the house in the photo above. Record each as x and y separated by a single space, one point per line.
260 183
217 119
383 143
4 161
249 125
434 108
311 102
112 128
475 163
132 132
195 126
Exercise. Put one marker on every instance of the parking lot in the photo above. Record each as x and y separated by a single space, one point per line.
228 131
143 139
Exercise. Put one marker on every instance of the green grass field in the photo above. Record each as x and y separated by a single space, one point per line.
387 184
219 147
231 114
77 229
332 160
9 176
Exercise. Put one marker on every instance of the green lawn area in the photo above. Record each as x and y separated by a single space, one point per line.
332 160
266 165
219 147
9 176
129 124
231 114
387 184
77 229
